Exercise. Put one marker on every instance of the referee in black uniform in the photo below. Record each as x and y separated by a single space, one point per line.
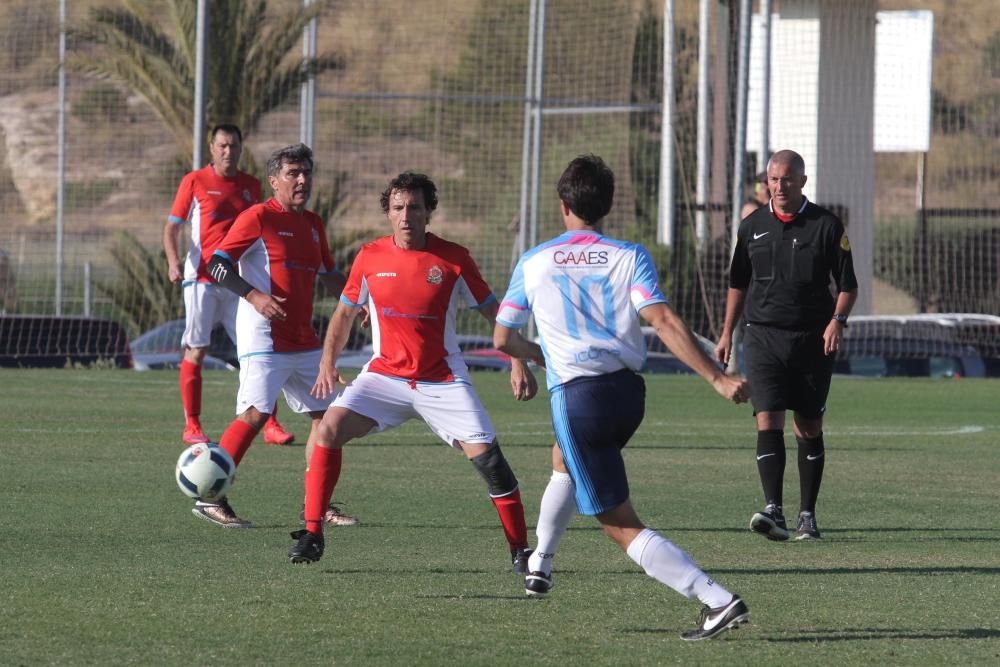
780 282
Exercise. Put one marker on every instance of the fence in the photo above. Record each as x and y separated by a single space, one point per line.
468 93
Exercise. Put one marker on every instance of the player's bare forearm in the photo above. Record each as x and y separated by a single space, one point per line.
337 333
510 341
735 299
171 232
678 338
833 335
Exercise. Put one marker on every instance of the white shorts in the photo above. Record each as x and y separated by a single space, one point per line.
206 305
262 376
451 409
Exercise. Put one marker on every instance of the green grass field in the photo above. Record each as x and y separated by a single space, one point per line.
101 561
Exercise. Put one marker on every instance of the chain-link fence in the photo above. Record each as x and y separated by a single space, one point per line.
449 89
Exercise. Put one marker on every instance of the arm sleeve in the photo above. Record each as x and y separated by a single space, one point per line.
842 260
475 290
246 231
515 308
223 272
740 269
356 290
645 288
327 263
180 212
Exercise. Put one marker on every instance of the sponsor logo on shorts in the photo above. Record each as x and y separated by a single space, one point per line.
478 436
435 275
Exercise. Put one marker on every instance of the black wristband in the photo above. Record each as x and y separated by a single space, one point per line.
226 275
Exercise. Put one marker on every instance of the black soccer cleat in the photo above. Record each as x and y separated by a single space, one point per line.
807 528
519 560
713 622
537 583
308 548
770 523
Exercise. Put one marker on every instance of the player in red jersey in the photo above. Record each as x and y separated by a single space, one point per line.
412 283
281 248
209 199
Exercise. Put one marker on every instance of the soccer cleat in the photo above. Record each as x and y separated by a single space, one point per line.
713 622
770 523
519 560
275 433
333 517
220 513
308 547
537 583
193 433
807 528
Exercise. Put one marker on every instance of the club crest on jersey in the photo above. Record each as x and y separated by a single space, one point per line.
435 275
845 245
315 236
247 197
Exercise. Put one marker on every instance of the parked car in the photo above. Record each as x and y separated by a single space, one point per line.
160 347
926 345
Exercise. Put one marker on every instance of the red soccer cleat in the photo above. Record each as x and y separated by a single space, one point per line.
193 434
275 433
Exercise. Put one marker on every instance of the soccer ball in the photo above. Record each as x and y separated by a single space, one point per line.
205 471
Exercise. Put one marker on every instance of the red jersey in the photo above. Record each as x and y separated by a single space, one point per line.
412 297
210 203
279 252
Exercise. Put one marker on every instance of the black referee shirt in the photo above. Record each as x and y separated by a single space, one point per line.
786 267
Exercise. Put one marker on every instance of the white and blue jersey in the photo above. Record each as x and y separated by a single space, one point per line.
585 290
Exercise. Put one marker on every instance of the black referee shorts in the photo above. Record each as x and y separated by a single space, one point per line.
787 370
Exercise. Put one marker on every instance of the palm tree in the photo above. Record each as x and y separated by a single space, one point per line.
250 66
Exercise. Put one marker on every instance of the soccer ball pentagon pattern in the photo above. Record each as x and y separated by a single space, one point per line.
205 471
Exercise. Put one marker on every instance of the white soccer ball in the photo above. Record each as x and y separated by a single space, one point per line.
205 471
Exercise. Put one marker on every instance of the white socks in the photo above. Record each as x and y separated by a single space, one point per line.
557 509
670 565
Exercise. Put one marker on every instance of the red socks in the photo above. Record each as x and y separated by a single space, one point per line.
237 438
191 388
511 513
321 478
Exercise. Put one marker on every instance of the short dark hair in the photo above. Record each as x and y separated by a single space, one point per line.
587 187
296 153
228 128
411 181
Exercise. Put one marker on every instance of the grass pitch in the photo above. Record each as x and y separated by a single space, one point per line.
101 561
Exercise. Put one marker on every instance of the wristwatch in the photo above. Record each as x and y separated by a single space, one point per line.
841 318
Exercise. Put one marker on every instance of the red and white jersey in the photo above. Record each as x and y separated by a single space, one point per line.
279 252
412 298
210 203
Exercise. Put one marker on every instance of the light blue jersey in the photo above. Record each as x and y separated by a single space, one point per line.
585 291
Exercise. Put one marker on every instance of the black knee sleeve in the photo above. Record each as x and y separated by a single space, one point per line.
495 471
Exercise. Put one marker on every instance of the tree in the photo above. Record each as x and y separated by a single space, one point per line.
250 66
